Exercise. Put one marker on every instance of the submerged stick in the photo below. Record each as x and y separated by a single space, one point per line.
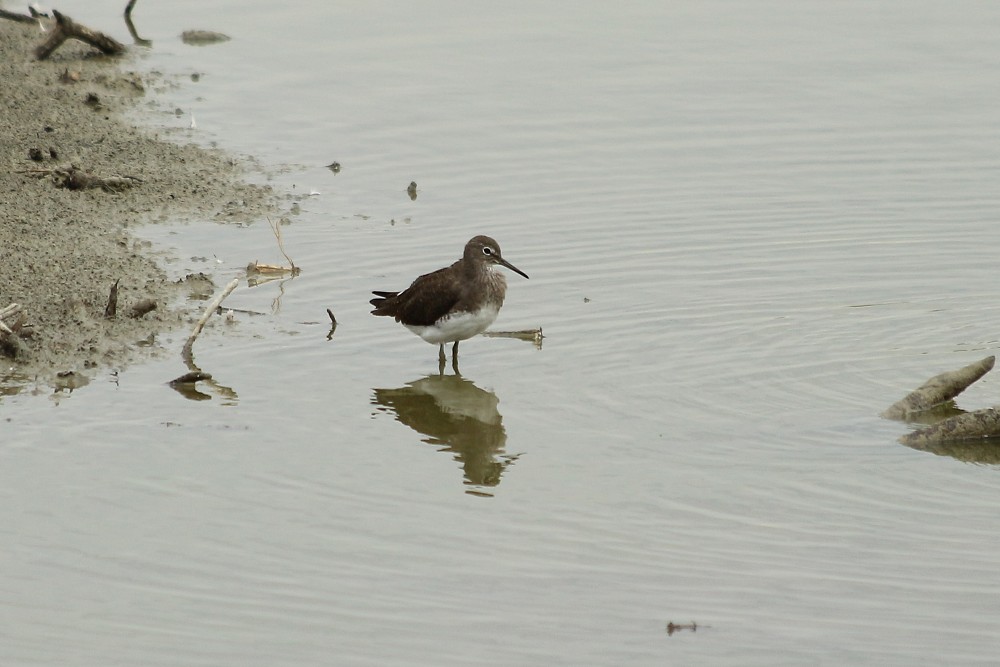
186 351
939 389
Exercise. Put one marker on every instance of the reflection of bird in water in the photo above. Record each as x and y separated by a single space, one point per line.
454 412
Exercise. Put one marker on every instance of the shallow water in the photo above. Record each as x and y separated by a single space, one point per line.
748 231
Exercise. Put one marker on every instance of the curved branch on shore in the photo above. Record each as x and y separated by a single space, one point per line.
66 28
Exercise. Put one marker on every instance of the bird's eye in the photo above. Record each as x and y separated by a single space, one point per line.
487 250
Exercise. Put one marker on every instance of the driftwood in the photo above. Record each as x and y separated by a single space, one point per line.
186 351
65 28
20 18
961 434
967 426
333 324
938 390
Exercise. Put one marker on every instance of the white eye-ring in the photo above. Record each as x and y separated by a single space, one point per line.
487 250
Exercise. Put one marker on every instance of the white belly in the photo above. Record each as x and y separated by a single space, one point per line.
457 327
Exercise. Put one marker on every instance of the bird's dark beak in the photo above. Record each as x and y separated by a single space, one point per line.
504 262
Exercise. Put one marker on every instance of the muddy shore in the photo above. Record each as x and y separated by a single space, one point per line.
61 250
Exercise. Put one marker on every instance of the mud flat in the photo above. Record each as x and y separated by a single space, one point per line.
62 249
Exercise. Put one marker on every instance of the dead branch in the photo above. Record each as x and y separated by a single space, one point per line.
255 267
938 390
20 18
66 28
968 426
191 378
131 28
186 351
276 228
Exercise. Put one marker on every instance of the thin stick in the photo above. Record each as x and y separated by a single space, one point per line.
276 228
22 18
186 351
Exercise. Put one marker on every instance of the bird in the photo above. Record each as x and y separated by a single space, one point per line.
454 303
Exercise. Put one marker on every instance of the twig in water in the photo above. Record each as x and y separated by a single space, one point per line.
186 351
276 228
333 324
677 627
532 335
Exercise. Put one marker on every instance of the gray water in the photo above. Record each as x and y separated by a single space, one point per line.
749 228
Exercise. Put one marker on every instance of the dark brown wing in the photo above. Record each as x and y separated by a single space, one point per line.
422 303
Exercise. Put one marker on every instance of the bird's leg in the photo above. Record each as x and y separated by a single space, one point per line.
454 358
441 359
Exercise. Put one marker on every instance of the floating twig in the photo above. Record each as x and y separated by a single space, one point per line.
256 268
191 378
677 627
531 335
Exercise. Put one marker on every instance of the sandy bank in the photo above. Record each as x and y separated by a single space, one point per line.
61 250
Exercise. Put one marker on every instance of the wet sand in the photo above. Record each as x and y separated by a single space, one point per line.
61 250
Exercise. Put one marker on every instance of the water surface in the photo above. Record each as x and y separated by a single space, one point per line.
748 229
